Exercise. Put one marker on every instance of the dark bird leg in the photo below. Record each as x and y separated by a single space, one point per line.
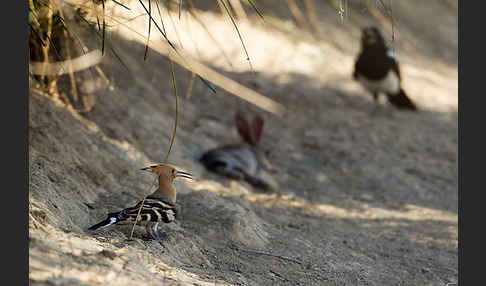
152 230
377 106
148 228
156 232
375 97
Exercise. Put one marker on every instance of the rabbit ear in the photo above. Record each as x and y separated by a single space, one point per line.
243 127
256 129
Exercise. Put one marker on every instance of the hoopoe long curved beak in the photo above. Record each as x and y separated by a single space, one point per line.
184 175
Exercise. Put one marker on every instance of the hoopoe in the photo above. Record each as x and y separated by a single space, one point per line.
160 206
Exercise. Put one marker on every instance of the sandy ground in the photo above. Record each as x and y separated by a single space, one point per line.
367 199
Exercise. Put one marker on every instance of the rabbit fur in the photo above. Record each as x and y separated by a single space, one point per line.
242 161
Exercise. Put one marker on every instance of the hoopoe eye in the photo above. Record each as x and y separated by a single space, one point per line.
173 171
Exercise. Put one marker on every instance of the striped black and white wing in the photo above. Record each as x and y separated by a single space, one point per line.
153 209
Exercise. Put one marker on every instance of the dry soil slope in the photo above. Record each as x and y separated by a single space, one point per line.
366 200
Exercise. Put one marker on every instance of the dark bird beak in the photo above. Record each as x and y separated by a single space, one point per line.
184 175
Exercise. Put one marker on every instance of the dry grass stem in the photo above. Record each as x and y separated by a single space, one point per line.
190 86
214 77
239 10
299 17
176 112
57 68
141 205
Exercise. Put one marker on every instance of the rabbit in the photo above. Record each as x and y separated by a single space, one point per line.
243 161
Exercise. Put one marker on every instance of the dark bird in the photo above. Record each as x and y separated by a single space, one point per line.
160 206
377 70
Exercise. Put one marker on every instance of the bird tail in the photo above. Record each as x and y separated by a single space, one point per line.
112 219
401 101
